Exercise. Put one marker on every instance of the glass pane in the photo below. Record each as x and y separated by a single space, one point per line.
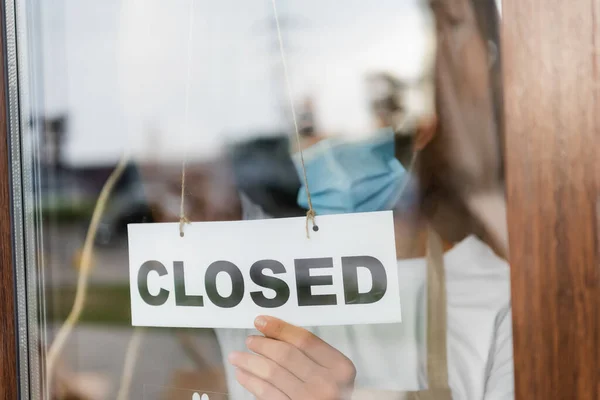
267 109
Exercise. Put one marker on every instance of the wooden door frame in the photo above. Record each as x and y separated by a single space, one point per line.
9 384
552 124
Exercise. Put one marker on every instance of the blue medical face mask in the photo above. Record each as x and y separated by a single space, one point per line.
352 176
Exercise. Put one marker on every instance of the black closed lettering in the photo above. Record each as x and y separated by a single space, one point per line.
350 267
237 284
304 282
282 290
142 281
181 298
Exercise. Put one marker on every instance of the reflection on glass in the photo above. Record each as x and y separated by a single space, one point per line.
394 106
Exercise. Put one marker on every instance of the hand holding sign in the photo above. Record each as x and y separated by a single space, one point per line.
291 363
224 274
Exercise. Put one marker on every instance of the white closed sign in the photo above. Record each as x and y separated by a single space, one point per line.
225 274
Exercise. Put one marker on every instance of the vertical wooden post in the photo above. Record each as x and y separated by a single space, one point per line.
8 332
552 117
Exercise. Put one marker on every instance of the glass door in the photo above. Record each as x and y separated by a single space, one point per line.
127 115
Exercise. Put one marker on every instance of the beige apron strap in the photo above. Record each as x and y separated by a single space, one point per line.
437 361
430 394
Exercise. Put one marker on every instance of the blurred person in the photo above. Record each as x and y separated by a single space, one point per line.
381 361
458 163
460 178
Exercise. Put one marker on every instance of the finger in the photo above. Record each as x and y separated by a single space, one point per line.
268 371
309 344
286 355
259 388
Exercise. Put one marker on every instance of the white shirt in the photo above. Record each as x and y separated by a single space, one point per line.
392 356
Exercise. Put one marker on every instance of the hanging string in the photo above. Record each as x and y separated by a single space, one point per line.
182 217
310 215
